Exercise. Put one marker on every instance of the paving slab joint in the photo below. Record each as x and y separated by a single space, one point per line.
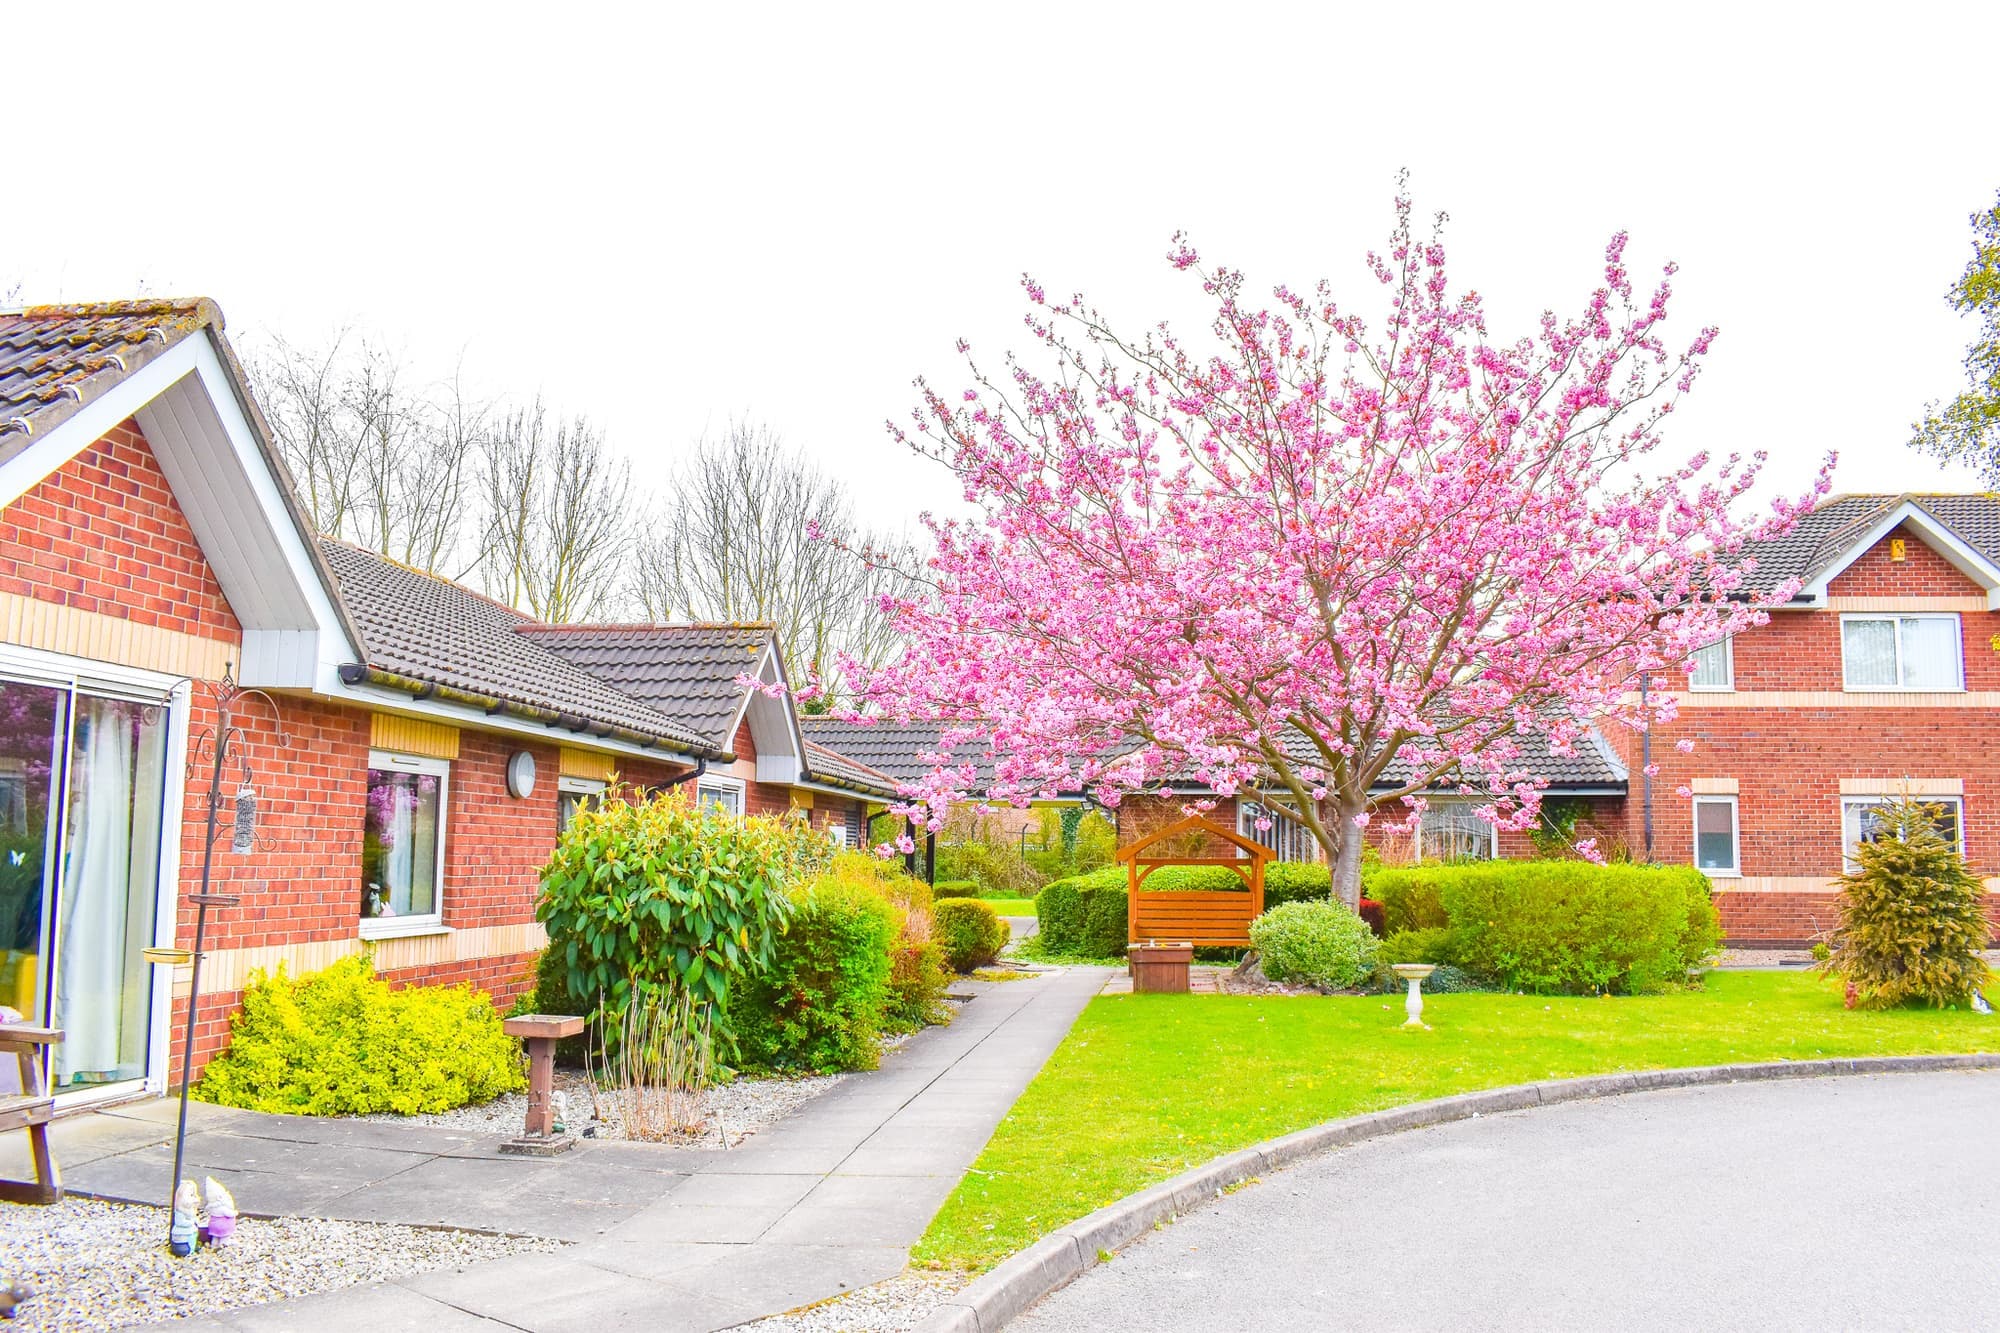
1058 1258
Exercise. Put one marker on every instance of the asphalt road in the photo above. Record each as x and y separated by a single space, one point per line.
1827 1203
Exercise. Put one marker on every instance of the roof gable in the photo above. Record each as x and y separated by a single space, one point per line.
692 673
70 374
1963 528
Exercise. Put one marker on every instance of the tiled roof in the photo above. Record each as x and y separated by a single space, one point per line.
884 747
433 630
893 750
54 359
687 672
837 770
1820 539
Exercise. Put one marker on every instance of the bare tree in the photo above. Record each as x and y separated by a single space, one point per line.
753 531
378 462
557 513
305 399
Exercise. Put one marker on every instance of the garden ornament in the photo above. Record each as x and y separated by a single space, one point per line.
11 1296
221 1229
1414 973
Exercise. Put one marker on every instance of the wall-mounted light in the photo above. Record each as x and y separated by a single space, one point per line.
521 775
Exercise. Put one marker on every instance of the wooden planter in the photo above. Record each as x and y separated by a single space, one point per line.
1161 968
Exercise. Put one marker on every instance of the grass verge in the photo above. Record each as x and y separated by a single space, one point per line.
1148 1086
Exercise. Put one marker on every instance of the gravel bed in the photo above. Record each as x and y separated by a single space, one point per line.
105 1265
894 1306
734 1110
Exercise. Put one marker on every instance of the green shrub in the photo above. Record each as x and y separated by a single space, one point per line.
1570 927
995 866
1294 882
821 1003
917 984
955 888
1912 916
662 894
1431 944
340 1042
1410 896
1059 917
1317 943
971 935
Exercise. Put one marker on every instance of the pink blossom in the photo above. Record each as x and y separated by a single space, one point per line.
1684 745
1315 554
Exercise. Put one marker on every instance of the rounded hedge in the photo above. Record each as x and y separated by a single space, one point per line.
340 1042
1317 943
956 888
971 934
1556 927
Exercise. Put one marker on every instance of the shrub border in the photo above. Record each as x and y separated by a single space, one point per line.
1062 1255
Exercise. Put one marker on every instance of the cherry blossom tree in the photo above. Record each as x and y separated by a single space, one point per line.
1330 563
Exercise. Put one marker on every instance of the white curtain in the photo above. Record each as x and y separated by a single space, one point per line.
96 876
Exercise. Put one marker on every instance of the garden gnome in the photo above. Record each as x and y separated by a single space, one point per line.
11 1296
183 1236
221 1213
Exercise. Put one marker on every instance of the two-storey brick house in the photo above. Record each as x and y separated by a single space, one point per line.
1882 675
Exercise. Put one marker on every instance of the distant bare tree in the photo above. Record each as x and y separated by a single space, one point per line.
558 522
736 542
305 399
377 462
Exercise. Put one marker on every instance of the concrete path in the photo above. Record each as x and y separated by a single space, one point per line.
1830 1203
829 1199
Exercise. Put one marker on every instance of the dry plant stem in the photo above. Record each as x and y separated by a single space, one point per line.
660 1072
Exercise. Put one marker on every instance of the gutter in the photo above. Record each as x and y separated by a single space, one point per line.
357 673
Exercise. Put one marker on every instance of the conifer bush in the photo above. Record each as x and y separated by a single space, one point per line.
1912 916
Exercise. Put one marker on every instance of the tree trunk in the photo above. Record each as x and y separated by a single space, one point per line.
1346 866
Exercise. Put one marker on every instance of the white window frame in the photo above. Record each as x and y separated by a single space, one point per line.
35 666
722 782
1728 645
1735 870
1847 860
1287 836
1492 829
568 786
432 922
1958 652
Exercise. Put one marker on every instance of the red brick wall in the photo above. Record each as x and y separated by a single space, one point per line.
1922 572
759 798
1140 816
103 533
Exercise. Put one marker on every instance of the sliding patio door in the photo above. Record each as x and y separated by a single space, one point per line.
83 780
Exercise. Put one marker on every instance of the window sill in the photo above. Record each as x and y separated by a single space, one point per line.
1902 689
1711 689
399 928
1721 874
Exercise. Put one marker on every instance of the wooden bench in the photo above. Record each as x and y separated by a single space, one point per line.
30 1109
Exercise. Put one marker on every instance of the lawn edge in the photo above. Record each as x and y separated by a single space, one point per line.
1059 1257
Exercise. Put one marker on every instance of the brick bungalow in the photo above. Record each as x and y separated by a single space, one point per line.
415 753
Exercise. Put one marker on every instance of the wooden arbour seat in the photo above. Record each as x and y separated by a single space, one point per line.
30 1109
1209 918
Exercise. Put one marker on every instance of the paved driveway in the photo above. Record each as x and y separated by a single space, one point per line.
1831 1203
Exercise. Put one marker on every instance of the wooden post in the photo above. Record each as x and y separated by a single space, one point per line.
541 1032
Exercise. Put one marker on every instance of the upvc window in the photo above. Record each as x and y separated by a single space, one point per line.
1888 652
573 795
402 842
1713 669
1287 834
1716 847
1861 821
1453 831
725 796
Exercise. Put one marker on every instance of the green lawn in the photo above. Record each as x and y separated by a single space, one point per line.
1011 906
1147 1086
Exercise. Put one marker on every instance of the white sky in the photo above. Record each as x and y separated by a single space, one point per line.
668 217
